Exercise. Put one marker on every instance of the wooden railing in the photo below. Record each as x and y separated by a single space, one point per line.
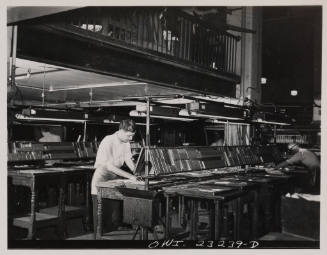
167 32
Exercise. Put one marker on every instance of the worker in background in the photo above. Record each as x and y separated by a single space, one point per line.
51 190
308 159
218 140
114 150
48 137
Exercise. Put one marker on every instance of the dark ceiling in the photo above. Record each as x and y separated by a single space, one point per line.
291 54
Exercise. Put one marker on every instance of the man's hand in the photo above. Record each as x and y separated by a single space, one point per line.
281 165
136 178
285 169
133 178
271 165
139 178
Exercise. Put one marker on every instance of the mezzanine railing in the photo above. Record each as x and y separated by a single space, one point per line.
168 32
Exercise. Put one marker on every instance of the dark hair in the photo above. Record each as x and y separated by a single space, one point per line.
291 146
45 129
218 135
127 125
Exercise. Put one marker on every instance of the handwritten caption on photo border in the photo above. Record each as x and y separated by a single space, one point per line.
171 243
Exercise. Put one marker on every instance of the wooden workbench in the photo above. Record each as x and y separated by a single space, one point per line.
202 191
33 179
220 190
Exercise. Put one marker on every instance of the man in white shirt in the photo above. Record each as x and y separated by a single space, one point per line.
113 152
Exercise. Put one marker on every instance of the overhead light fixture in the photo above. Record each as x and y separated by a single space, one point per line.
159 110
110 121
21 77
174 101
275 118
260 121
213 110
208 116
215 121
144 124
263 80
99 85
217 99
28 74
294 92
186 113
32 111
49 113
135 113
24 117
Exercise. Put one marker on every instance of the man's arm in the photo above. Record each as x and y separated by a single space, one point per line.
282 164
295 159
118 171
128 158
129 162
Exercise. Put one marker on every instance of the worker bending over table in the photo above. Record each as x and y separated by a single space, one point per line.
114 150
308 159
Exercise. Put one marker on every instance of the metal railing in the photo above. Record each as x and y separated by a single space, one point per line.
168 32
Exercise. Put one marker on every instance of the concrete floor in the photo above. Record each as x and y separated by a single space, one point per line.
116 235
75 231
275 236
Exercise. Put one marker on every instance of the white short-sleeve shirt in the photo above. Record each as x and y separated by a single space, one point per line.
111 149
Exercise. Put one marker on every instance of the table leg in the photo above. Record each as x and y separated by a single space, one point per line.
255 214
239 212
212 221
99 221
136 231
87 204
159 210
277 213
62 231
167 218
179 210
224 212
144 233
218 219
194 218
182 210
266 200
31 229
155 235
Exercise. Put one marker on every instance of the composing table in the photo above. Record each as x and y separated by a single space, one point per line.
223 190
34 178
274 186
245 190
219 195
138 204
